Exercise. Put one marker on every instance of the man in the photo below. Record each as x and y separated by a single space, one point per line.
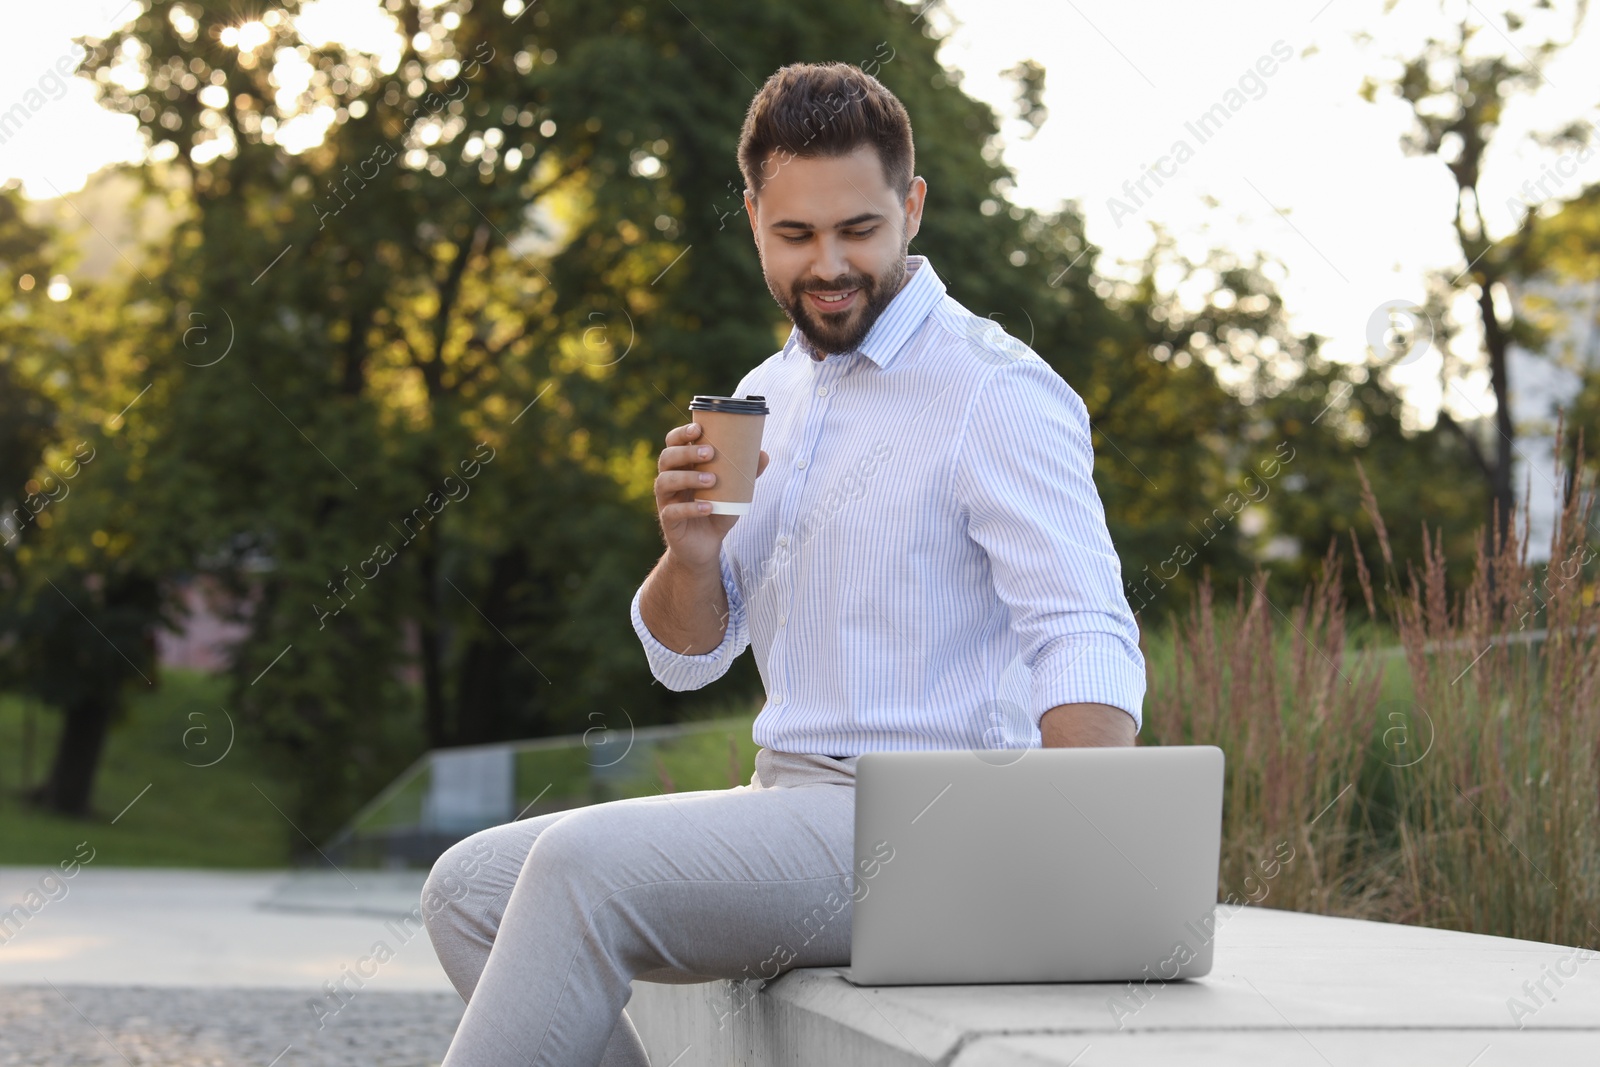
925 518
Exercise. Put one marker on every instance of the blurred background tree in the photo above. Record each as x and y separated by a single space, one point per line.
394 368
1458 93
79 603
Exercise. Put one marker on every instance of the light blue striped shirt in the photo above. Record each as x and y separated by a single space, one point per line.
925 563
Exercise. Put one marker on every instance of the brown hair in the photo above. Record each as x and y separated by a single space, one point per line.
824 110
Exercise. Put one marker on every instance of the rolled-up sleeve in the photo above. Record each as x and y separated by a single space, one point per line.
1024 477
677 671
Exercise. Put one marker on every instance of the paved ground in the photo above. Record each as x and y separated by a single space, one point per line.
72 1025
189 968
170 927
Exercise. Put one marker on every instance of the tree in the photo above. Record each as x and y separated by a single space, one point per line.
78 608
412 376
1231 440
1457 97
517 245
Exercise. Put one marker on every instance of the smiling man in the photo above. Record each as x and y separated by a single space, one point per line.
925 564
932 519
834 277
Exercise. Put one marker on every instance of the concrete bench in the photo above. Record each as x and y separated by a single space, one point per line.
1285 989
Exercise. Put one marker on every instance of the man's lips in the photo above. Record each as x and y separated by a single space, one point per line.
834 305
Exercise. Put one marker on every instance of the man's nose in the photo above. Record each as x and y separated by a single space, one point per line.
829 265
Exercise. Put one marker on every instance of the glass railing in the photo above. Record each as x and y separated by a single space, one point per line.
451 793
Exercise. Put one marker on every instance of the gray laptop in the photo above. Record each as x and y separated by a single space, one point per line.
1035 865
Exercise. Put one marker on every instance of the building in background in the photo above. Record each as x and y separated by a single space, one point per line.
1562 299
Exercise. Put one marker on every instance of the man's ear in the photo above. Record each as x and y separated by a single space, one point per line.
750 210
915 198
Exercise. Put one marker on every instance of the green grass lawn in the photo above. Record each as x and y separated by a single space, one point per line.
707 761
189 816
223 815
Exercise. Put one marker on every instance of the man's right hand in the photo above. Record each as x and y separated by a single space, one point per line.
692 534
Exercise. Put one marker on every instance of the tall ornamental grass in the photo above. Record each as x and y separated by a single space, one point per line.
1452 781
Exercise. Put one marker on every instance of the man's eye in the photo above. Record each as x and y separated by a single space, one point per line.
858 234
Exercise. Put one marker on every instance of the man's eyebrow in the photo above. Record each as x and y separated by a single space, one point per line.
854 220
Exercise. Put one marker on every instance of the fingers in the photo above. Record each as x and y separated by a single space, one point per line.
683 449
762 465
672 483
682 511
682 435
678 457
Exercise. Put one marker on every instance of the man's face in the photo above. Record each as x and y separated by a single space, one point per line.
832 227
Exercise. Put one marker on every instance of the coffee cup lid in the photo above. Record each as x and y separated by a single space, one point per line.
749 405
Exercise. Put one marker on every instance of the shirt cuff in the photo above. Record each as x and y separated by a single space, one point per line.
1085 668
679 672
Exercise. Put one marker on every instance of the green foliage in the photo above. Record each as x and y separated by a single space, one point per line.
401 392
78 602
1029 76
379 330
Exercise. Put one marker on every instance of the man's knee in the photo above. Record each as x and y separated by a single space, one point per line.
581 842
453 877
594 852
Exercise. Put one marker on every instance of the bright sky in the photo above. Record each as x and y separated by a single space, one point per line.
1305 171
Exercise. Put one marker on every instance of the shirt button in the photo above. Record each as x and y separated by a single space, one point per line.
782 541
777 698
782 619
822 390
801 464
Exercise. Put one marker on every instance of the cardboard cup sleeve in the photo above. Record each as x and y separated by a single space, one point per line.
732 426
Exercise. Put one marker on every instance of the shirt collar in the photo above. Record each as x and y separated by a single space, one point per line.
911 305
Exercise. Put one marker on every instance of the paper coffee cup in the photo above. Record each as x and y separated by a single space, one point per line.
732 426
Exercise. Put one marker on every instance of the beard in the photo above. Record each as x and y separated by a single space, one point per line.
829 332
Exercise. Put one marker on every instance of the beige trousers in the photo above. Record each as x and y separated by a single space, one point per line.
561 912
